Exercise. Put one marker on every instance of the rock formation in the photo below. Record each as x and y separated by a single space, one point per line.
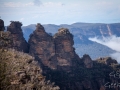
19 43
2 28
54 52
87 61
42 46
107 61
65 52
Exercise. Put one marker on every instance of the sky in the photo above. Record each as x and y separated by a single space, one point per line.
60 11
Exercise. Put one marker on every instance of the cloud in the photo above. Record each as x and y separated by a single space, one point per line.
17 4
21 19
116 56
37 2
112 42
53 4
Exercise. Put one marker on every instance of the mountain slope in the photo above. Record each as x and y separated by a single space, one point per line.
95 50
87 29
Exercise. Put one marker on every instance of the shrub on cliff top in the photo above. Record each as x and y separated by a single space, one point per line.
5 39
19 71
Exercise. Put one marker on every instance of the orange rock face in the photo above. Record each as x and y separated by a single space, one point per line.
67 46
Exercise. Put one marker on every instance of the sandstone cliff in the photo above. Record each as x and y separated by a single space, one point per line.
55 52
63 65
19 43
42 47
64 50
87 61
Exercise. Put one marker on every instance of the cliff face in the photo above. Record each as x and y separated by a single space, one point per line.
70 72
87 61
65 51
58 53
42 46
55 52
19 42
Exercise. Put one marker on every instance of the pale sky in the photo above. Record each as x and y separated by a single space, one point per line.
60 11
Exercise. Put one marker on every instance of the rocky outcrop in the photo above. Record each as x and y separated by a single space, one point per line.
19 42
87 61
56 52
70 72
107 60
2 28
65 51
42 47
